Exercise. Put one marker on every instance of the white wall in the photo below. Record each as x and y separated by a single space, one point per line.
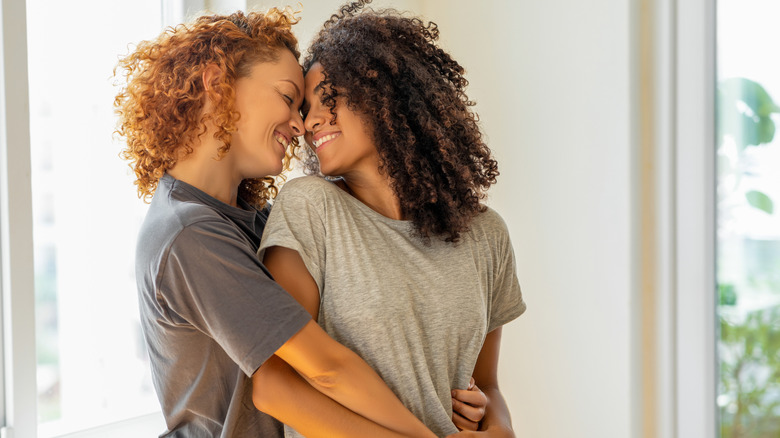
315 12
553 83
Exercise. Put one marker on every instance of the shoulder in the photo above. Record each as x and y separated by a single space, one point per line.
307 184
173 227
489 230
174 220
171 213
193 213
306 190
490 222
173 203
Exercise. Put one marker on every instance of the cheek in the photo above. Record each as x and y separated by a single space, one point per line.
279 109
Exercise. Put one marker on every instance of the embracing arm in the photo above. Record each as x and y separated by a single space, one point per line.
282 393
329 368
497 421
486 375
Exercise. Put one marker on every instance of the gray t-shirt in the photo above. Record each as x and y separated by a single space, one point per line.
210 312
417 313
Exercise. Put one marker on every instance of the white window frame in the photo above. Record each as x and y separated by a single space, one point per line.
677 360
696 359
20 394
18 416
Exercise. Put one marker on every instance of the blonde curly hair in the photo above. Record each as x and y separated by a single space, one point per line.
160 107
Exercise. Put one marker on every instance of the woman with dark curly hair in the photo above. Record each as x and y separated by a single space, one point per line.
399 259
210 109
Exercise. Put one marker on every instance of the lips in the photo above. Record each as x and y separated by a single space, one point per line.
282 139
320 140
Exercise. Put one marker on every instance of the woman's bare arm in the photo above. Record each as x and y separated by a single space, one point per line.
288 269
497 422
295 402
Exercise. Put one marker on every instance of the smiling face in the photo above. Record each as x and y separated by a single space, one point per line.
267 101
344 147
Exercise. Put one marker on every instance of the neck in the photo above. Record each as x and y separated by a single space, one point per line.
203 170
374 190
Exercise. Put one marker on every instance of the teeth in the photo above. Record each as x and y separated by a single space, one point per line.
322 140
282 140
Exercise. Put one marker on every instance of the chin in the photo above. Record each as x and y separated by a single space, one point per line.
326 170
276 171
270 171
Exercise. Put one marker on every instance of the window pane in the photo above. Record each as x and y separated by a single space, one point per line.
92 366
748 222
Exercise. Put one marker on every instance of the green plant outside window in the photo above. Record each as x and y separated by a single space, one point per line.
748 251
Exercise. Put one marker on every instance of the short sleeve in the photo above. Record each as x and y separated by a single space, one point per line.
506 297
297 222
212 280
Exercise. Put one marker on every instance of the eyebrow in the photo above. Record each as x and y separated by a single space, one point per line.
297 90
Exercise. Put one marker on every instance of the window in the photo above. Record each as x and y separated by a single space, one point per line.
748 221
69 216
92 368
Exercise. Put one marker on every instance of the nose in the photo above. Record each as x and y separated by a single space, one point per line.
296 123
314 119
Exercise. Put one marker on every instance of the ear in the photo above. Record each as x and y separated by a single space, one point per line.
211 75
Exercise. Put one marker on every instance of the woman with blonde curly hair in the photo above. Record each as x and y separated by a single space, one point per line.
209 111
397 256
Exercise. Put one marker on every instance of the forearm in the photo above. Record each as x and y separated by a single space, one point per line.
282 393
358 387
497 418
342 375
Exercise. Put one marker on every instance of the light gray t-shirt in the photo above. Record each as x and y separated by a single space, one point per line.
417 313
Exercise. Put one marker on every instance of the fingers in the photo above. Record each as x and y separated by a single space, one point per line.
463 405
473 397
468 407
463 423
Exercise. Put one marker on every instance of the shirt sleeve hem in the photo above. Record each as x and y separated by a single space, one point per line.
255 358
507 317
295 246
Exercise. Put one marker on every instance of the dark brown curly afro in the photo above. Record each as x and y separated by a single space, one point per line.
387 67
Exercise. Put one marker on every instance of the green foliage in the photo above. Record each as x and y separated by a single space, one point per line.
760 201
744 112
749 346
750 374
727 296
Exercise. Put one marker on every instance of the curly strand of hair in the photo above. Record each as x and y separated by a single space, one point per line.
347 10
